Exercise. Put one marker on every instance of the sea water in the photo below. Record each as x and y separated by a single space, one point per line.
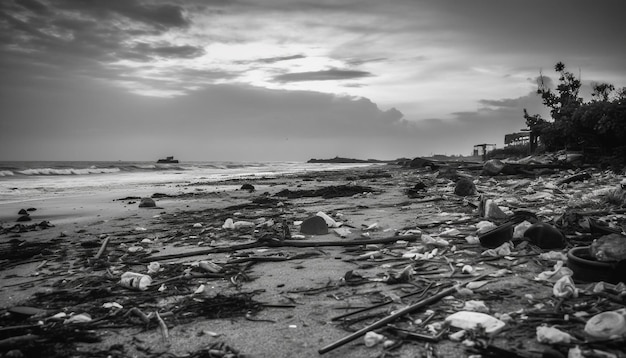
24 181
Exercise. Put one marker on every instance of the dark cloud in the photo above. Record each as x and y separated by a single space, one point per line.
147 51
327 75
33 5
161 16
279 59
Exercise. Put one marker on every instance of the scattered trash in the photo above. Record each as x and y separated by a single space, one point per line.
607 325
551 335
468 320
136 281
372 338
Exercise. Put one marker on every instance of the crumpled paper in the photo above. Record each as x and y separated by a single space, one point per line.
502 250
556 274
564 288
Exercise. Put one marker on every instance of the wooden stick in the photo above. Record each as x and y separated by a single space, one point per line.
102 248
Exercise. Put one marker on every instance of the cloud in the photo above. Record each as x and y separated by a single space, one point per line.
279 59
160 16
326 75
147 51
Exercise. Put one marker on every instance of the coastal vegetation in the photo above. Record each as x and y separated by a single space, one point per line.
597 126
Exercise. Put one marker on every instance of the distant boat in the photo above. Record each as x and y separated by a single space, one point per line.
168 160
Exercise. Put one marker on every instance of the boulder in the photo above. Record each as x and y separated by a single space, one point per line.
23 218
493 167
315 225
464 187
147 203
22 212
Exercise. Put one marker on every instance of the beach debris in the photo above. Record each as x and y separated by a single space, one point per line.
327 193
545 236
464 187
153 267
468 320
493 167
574 178
330 222
342 231
565 288
249 187
372 338
490 210
314 225
610 247
147 203
416 190
552 335
607 325
229 224
210 266
559 271
136 281
392 317
502 250
78 318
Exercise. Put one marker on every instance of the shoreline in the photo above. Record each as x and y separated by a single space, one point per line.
287 294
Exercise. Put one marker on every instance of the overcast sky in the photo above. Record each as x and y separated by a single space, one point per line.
286 79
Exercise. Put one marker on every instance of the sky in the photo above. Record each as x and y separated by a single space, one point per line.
287 80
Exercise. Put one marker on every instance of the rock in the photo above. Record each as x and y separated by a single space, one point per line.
610 247
23 218
147 203
545 236
22 212
493 167
248 187
315 225
464 187
421 163
31 209
416 189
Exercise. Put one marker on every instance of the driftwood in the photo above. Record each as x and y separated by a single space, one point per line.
282 243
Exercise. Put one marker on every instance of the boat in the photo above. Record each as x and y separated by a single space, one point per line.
168 160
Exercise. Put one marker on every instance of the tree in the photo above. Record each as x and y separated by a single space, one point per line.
574 124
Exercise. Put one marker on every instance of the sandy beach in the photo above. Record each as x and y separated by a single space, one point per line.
396 237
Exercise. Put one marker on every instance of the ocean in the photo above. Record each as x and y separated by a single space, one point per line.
24 181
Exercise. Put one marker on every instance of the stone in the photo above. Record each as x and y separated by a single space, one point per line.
23 218
493 167
22 212
421 163
464 187
248 187
315 225
147 203
545 236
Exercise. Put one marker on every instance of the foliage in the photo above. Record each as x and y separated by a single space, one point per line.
598 124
